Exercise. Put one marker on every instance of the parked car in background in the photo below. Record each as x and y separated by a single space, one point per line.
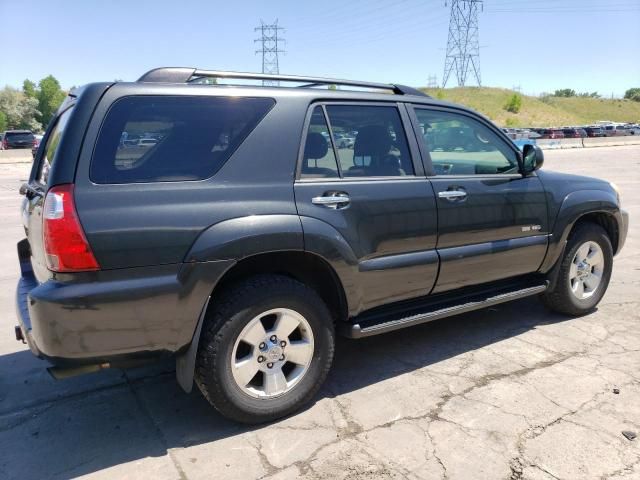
615 131
633 129
594 132
147 142
343 141
553 133
36 145
574 132
18 139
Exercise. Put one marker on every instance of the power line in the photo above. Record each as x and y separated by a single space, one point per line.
463 48
270 48
432 81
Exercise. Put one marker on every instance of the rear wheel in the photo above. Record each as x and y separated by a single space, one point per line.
584 273
266 348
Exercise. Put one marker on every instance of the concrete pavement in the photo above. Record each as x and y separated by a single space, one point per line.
510 392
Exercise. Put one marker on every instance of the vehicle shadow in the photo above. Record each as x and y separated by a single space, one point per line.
85 424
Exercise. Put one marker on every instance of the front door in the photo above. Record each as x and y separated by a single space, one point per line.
492 220
371 192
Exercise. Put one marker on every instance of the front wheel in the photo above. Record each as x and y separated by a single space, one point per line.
266 348
584 273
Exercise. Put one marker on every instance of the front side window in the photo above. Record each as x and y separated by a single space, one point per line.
155 139
460 145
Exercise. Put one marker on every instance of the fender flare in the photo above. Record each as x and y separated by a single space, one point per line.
243 237
574 206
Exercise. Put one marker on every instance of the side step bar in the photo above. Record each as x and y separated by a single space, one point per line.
366 329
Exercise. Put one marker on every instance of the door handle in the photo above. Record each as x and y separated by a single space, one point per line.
334 200
452 195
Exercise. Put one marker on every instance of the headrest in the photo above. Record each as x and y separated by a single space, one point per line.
373 140
316 146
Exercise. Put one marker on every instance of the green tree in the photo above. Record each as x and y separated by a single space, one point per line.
633 94
19 110
50 96
565 92
29 88
3 121
514 103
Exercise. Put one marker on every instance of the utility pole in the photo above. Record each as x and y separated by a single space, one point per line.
432 81
270 43
463 48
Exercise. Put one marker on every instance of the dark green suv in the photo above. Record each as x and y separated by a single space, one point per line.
223 225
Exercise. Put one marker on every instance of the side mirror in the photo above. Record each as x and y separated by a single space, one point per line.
532 158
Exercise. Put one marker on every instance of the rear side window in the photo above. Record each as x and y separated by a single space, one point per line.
51 147
156 139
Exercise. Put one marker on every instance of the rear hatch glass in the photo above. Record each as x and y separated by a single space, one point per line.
20 137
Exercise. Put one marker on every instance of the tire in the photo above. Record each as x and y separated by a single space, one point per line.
232 320
565 297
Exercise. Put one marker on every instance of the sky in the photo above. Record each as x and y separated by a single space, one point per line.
586 45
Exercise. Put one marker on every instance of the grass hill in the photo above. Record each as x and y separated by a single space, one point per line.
539 111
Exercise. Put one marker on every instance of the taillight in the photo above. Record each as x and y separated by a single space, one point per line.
66 248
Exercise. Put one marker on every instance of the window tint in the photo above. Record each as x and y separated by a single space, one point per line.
460 145
319 160
154 139
50 149
372 141
20 136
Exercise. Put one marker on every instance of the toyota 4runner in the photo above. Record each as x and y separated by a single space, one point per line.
225 226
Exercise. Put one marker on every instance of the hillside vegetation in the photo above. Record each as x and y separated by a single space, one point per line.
539 112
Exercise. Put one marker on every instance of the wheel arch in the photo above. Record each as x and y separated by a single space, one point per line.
597 206
306 267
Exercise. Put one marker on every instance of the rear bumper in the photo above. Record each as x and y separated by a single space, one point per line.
26 283
112 316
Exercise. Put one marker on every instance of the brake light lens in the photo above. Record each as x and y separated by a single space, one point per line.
65 245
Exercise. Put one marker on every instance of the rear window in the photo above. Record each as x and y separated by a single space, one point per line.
156 139
20 136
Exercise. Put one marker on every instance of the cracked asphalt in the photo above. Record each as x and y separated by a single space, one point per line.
511 392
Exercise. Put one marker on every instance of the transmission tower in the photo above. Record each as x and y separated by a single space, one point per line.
270 42
432 81
463 48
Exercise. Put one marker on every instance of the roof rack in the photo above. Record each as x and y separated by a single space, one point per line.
187 75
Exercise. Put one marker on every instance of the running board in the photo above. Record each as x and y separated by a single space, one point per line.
375 325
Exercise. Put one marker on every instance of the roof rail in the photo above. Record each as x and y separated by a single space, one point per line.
186 75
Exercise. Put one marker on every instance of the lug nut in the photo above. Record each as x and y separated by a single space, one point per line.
283 343
274 339
262 346
269 365
260 359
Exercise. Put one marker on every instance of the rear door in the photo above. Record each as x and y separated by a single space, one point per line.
492 220
374 195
